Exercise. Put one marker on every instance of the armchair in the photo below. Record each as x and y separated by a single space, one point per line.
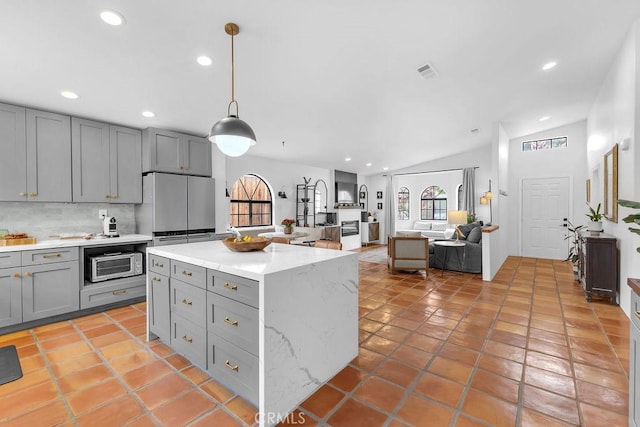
408 253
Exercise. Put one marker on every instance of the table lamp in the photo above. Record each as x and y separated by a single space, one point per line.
457 218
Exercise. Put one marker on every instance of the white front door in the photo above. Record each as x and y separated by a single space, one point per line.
545 209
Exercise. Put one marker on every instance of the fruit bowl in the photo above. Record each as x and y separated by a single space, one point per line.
256 244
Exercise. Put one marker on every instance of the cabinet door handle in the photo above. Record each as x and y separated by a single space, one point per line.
27 274
156 279
22 194
638 314
187 302
230 322
187 339
187 168
189 274
120 292
51 256
32 194
157 264
182 167
232 367
115 196
231 287
16 275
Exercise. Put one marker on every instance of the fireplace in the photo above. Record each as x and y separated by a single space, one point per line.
350 228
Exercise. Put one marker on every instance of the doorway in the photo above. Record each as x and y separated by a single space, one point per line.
545 209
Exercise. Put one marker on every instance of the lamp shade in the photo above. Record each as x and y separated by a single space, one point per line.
484 200
457 217
232 136
488 195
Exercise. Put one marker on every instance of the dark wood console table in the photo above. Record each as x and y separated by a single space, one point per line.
598 264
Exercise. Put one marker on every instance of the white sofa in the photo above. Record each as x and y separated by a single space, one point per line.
432 230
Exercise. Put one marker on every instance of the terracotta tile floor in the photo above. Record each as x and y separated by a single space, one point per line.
452 350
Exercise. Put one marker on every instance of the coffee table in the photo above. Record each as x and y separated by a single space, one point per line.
447 244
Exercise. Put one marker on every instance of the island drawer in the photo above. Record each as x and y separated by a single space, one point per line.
10 259
189 273
159 265
236 322
188 301
190 340
47 256
234 367
235 287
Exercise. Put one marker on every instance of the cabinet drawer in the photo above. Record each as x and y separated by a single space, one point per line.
190 340
236 322
160 265
10 259
47 256
189 273
188 302
101 295
235 287
635 309
234 367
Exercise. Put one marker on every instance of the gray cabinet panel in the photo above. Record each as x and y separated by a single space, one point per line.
50 289
10 259
90 152
125 165
235 287
236 322
159 306
198 152
162 151
48 156
48 256
112 291
189 273
234 367
188 301
159 265
13 154
10 296
190 340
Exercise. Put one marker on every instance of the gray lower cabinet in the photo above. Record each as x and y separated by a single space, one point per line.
634 360
35 155
10 296
158 297
173 152
107 162
188 319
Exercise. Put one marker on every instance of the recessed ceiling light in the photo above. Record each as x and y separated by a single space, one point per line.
203 60
549 65
347 159
474 130
368 164
112 17
68 94
385 168
148 114
543 118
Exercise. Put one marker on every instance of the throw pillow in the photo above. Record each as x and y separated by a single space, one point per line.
475 235
466 229
422 225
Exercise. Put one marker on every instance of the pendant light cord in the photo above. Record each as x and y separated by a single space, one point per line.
233 82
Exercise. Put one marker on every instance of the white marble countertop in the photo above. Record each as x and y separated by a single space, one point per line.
65 243
254 265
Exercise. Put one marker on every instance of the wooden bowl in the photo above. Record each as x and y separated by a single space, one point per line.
256 244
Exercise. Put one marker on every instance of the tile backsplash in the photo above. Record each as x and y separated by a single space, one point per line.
42 220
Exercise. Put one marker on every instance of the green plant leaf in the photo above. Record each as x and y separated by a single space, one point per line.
635 230
629 204
632 218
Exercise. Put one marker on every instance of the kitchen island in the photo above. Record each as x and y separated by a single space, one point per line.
272 325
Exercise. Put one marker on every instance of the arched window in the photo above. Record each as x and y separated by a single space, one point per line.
433 203
460 201
250 202
403 203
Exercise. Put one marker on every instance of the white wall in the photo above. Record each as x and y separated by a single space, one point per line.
570 161
613 118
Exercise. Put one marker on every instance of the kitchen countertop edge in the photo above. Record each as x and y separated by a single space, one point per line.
67 243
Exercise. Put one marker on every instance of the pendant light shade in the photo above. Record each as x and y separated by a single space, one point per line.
232 135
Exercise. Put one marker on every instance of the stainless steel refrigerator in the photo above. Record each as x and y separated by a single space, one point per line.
177 208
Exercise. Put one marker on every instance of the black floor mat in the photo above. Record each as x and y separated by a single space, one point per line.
10 369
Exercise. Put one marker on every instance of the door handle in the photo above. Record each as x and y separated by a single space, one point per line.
565 225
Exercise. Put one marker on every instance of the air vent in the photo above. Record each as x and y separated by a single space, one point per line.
427 71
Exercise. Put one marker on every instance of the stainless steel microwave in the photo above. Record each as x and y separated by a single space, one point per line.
99 268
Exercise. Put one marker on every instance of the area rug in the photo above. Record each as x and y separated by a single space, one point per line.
10 369
377 255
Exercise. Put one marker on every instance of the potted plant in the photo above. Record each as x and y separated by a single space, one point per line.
632 218
288 225
574 243
595 218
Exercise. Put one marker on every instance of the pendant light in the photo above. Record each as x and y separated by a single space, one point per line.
232 135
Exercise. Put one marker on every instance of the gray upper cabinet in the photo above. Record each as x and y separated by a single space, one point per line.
107 162
48 157
13 153
173 152
35 155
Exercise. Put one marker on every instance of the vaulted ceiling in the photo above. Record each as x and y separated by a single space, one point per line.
330 78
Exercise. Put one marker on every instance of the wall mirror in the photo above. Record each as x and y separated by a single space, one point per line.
364 197
321 196
611 184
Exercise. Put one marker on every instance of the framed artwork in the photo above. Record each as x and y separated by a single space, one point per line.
588 190
611 184
379 206
379 196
